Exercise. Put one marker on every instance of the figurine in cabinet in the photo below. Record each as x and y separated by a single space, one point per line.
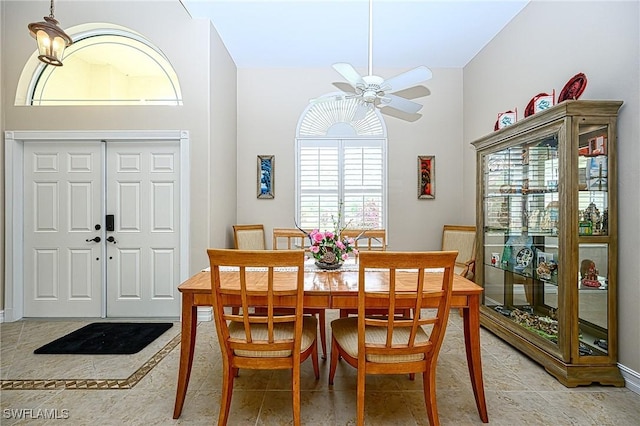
589 274
550 219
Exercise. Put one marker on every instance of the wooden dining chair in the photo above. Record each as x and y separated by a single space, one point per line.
367 239
294 238
249 237
463 239
251 340
389 344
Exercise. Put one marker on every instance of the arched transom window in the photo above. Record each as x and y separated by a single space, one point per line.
105 65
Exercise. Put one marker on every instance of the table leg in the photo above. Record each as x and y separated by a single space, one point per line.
187 345
471 320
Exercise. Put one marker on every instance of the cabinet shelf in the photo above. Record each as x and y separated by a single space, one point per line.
547 255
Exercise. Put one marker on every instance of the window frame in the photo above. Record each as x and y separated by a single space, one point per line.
343 143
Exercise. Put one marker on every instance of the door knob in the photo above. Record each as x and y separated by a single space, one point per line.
111 239
96 239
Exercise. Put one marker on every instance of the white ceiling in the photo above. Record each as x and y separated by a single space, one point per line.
318 33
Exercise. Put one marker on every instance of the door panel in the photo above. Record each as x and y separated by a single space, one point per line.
143 261
62 204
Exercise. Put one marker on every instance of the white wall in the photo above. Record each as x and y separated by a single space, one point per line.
270 102
542 48
223 153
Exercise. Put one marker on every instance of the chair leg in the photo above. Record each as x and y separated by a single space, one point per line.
334 360
323 333
429 384
360 396
296 390
227 390
314 360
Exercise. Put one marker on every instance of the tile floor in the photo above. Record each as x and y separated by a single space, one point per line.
140 389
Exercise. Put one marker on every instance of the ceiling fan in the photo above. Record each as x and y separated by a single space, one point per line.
374 91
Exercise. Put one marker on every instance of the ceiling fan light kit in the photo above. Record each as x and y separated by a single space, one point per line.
374 91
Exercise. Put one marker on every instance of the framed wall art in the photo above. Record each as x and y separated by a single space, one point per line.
266 170
426 177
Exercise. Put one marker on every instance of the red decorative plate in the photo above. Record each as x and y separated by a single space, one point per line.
574 88
529 110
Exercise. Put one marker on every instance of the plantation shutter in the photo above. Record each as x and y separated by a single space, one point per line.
347 173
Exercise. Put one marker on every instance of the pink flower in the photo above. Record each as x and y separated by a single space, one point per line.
340 245
355 252
345 256
329 235
314 249
351 241
317 237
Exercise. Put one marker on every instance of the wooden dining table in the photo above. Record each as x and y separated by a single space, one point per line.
332 290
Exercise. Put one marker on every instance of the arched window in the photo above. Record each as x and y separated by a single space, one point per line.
341 163
106 65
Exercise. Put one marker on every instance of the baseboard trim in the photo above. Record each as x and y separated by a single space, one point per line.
205 313
631 379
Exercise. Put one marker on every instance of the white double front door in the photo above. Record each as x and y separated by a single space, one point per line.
101 229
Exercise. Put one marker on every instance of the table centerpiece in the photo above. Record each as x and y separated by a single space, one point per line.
329 249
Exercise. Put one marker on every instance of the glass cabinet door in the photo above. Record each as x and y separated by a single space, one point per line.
521 219
593 247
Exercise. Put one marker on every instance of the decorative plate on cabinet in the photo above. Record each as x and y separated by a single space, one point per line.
523 257
574 88
505 119
538 103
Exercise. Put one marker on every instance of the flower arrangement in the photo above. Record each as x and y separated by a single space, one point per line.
329 248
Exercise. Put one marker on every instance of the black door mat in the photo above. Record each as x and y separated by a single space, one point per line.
106 338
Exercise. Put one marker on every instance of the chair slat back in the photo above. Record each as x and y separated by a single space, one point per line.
405 273
249 237
367 239
295 239
281 285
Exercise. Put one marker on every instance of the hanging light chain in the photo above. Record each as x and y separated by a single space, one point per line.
51 10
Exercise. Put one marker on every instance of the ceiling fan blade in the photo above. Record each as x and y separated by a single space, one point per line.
407 79
344 86
401 104
349 73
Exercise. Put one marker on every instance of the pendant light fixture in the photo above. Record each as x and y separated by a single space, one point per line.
52 40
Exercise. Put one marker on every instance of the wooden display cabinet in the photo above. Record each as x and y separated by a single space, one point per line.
547 239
